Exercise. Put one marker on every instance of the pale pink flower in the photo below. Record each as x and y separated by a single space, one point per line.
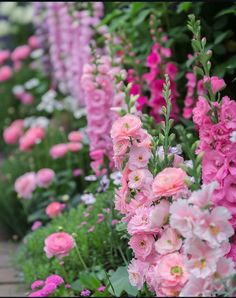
214 227
160 214
25 185
183 217
197 287
203 258
75 136
126 126
169 182
142 245
141 178
59 150
54 209
59 245
225 269
203 197
169 242
138 157
45 177
137 271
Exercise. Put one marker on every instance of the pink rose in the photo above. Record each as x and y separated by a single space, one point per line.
20 53
45 177
169 182
59 150
5 73
59 245
142 245
54 209
25 185
75 136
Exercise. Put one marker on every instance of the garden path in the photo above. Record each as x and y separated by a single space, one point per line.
10 283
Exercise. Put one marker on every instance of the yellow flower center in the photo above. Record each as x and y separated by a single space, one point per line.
214 230
136 178
176 271
200 264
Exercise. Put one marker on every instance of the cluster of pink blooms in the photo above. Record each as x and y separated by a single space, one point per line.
58 245
194 88
26 184
178 238
99 87
70 31
45 288
217 141
74 145
15 134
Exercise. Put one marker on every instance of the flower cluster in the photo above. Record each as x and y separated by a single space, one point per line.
178 238
26 184
45 288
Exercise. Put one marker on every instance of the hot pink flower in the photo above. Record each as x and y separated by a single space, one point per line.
54 209
137 271
160 214
25 185
228 113
200 112
45 177
33 42
37 284
217 84
169 242
5 73
59 150
59 245
138 157
126 126
142 245
20 53
56 279
169 182
75 136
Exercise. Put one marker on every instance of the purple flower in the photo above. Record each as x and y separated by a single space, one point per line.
56 279
85 293
49 289
101 288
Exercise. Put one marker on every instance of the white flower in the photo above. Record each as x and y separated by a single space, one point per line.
36 53
90 178
233 136
18 89
88 199
116 177
31 83
189 163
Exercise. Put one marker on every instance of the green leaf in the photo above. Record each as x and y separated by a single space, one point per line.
89 281
142 16
77 286
229 10
120 282
184 6
222 36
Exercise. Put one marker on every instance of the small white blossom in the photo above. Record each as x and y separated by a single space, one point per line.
90 178
116 177
88 198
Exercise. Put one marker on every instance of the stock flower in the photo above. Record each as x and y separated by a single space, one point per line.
45 177
142 245
138 157
137 270
169 182
59 245
140 178
169 242
54 209
25 185
160 214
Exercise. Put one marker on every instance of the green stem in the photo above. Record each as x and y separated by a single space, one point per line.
80 257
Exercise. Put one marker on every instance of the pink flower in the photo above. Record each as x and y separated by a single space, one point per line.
4 55
26 98
169 242
37 284
54 209
33 136
126 126
214 227
197 287
33 42
228 113
59 150
137 271
142 245
101 289
171 70
182 217
49 289
36 225
45 177
25 185
217 84
56 279
59 245
160 214
232 253
171 271
12 133
225 269
138 157
140 178
153 59
75 136
85 293
5 73
200 112
169 182
203 197
20 53
74 147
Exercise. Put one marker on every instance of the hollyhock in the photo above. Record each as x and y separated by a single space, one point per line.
54 209
160 214
58 151
59 245
142 245
169 242
169 182
25 185
5 73
45 177
137 271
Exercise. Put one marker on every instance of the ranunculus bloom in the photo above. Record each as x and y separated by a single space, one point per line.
54 209
169 182
126 126
20 53
25 185
59 150
75 136
5 73
45 177
12 133
59 245
169 242
142 245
